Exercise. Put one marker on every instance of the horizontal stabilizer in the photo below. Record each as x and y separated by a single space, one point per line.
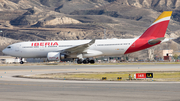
168 39
155 41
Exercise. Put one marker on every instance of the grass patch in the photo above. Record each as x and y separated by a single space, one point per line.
111 76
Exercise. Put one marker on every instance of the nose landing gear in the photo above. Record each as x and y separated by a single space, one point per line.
21 61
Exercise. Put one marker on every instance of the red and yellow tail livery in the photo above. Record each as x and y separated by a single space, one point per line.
154 34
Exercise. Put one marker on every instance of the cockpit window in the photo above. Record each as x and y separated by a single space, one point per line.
9 47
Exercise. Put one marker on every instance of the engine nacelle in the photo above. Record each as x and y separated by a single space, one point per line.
55 56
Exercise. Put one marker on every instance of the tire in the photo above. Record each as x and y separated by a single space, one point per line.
79 61
85 61
21 62
92 61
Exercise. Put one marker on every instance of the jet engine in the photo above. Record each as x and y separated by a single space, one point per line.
55 56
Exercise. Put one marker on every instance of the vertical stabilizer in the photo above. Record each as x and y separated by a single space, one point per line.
153 35
158 28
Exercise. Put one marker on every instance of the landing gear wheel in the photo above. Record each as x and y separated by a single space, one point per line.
92 61
79 61
21 62
86 61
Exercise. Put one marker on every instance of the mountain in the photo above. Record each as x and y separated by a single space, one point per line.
29 20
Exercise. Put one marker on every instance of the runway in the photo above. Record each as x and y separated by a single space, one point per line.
22 89
48 91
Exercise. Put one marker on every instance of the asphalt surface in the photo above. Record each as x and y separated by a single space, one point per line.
47 91
22 89
71 66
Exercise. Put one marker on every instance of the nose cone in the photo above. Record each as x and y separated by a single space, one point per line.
4 51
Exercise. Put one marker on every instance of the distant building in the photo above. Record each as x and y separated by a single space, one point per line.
9 59
168 55
36 60
165 55
168 52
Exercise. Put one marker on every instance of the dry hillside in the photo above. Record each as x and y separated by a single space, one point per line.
26 20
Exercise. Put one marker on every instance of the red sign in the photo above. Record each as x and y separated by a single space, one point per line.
140 75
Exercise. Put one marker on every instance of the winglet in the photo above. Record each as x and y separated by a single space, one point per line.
92 42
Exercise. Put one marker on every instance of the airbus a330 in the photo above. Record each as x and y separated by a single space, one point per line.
85 49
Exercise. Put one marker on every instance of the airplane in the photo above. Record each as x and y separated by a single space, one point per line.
85 49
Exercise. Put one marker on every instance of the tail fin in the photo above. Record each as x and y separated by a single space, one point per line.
158 28
154 35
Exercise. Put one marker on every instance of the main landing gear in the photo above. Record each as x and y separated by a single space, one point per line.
85 61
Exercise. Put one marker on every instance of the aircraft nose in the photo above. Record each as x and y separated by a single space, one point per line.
4 51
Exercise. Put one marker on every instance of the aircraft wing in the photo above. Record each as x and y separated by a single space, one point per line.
78 48
155 41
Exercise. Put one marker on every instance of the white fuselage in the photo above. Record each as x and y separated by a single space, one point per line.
40 49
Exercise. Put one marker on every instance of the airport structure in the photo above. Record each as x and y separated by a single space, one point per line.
8 60
11 60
